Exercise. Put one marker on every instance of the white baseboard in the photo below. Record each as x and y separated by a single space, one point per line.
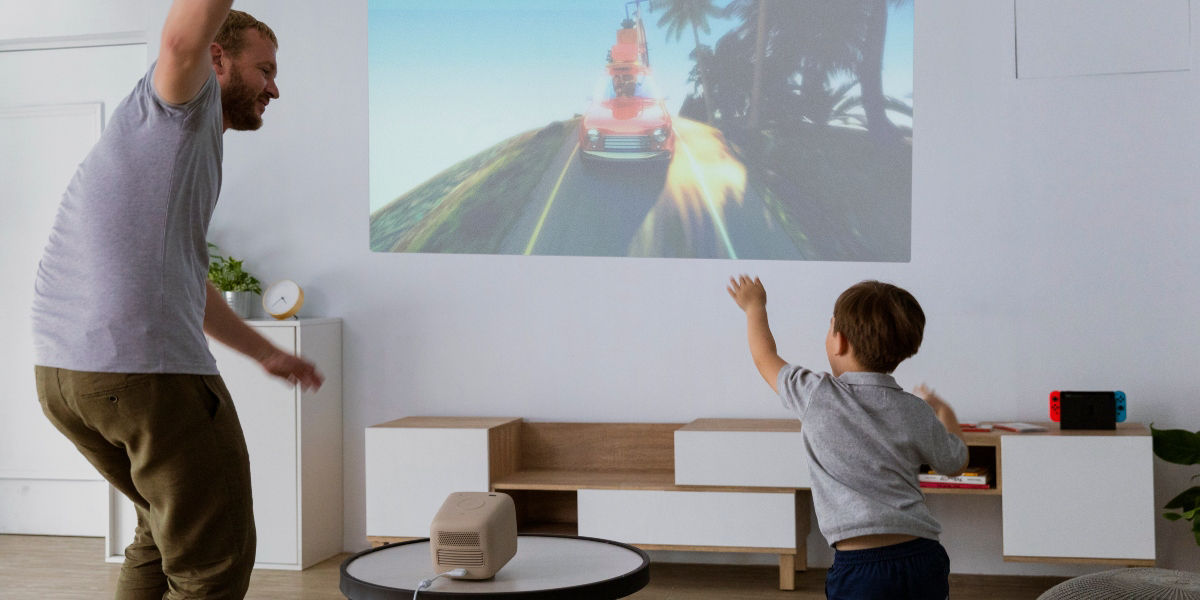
53 507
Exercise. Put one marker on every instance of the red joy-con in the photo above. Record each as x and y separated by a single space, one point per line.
1055 408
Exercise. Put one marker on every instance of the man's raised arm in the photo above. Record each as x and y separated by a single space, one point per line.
184 58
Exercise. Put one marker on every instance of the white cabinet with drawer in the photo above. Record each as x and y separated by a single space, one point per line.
413 463
1080 495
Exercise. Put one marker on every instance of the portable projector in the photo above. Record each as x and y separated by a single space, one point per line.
476 531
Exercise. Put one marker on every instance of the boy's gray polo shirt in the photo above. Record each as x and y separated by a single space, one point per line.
865 439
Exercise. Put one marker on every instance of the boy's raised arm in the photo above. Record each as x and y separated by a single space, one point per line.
751 297
184 57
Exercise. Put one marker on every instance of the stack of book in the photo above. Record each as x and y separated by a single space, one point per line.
1020 427
968 426
979 427
973 478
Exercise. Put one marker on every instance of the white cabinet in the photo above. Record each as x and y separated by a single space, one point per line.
1072 495
295 442
412 464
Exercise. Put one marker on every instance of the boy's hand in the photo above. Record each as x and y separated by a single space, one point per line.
751 297
747 293
927 394
944 413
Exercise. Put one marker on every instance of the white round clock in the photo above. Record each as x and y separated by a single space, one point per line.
283 299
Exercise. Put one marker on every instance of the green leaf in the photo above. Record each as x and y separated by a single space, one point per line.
1177 446
1172 516
1188 500
228 275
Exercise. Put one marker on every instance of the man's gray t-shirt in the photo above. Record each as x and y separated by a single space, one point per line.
121 286
865 439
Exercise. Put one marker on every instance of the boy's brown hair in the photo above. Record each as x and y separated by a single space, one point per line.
883 323
231 37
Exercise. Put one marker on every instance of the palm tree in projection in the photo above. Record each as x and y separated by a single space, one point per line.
754 17
870 69
760 53
839 107
683 14
812 39
829 45
729 77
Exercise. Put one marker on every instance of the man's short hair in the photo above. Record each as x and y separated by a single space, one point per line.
232 38
883 323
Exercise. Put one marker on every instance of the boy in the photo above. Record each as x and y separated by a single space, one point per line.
865 439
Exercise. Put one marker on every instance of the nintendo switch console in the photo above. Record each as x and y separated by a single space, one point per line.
1087 410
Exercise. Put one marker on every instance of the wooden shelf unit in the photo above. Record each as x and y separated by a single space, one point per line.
551 462
594 478
656 485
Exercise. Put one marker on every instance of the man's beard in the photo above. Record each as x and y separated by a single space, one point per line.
239 104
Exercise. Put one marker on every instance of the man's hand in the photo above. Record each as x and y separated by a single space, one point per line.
747 293
223 325
292 368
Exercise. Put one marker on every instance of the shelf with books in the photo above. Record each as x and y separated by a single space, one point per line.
977 478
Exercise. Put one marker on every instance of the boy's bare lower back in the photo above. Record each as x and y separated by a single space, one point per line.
877 540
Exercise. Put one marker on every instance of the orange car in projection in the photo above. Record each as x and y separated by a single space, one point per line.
627 118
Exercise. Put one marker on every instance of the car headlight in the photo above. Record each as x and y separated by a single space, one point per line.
593 135
660 135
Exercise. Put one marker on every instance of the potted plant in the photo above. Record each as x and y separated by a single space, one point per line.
1181 447
239 287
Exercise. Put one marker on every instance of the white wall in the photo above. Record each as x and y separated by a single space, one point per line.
1052 249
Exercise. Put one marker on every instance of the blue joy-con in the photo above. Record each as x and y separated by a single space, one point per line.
1120 402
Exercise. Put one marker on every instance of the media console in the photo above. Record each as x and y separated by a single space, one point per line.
741 485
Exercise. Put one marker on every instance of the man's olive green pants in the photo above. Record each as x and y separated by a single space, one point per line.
173 444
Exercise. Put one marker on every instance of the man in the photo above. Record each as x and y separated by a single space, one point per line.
122 303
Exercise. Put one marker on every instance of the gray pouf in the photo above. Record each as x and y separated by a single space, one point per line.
1128 584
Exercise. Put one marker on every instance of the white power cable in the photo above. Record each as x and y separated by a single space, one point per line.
425 583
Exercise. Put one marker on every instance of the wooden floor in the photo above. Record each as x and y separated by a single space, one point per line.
70 568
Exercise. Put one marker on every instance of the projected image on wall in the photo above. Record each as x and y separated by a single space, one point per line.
752 129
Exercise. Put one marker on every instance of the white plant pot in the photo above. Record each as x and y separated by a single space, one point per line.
242 303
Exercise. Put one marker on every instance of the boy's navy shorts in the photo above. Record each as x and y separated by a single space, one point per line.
915 570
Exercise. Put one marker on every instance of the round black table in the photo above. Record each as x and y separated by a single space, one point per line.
545 567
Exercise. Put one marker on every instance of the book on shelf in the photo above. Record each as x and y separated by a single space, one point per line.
961 486
972 475
976 427
1020 427
965 479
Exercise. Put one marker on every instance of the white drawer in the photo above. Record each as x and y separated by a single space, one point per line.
733 519
1078 496
740 458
